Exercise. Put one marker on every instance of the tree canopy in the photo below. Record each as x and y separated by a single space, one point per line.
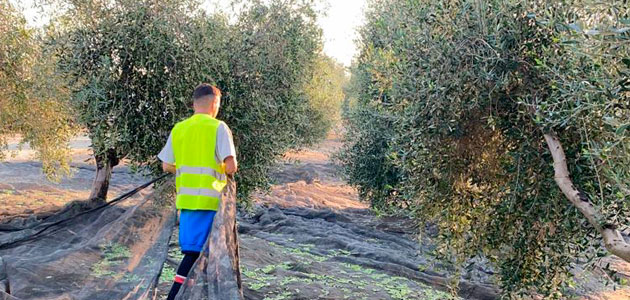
456 102
326 94
271 54
134 64
33 97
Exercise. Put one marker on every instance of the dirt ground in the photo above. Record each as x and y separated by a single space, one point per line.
24 189
309 237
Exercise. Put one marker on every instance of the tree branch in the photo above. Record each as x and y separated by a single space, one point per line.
613 240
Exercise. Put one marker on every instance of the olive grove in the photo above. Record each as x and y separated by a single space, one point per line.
506 123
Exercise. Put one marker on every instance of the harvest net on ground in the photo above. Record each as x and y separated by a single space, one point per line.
115 251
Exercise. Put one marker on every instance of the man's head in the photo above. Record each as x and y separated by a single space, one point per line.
207 99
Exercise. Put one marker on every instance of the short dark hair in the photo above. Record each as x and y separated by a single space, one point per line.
205 89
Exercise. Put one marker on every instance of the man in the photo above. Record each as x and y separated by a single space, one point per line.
200 151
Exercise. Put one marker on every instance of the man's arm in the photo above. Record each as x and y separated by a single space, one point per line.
167 156
169 168
230 165
226 152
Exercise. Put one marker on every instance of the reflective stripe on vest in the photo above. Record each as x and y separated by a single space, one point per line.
199 192
200 171
199 177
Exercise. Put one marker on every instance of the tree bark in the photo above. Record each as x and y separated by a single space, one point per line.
613 241
104 165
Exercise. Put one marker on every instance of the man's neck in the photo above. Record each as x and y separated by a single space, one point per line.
204 113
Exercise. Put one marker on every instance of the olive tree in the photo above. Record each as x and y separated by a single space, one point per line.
33 95
270 55
485 117
134 64
325 91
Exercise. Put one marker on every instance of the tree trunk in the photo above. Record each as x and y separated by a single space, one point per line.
104 165
613 241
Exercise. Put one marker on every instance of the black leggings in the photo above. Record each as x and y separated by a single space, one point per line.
182 271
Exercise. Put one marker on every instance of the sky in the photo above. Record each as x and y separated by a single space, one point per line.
339 24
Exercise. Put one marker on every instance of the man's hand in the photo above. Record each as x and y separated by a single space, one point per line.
169 168
230 165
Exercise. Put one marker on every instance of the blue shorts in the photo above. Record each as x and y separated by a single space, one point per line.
194 228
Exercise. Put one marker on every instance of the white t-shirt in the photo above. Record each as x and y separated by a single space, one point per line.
224 146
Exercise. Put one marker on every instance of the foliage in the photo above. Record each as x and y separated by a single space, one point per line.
355 281
114 254
453 99
135 64
168 273
271 51
33 97
326 92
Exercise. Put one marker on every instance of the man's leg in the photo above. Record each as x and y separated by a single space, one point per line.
194 228
182 272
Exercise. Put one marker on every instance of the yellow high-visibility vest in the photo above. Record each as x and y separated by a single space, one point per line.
199 177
